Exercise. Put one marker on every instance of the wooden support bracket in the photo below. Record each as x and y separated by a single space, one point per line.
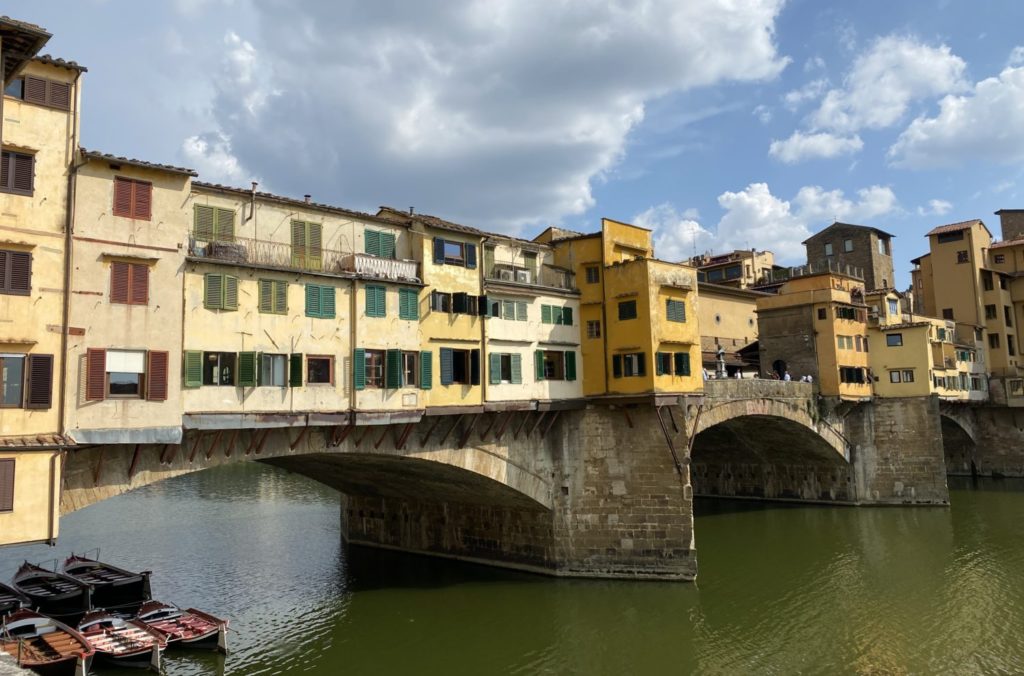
163 454
298 440
213 445
540 419
483 435
135 461
195 445
383 435
252 441
341 434
404 436
629 420
455 424
551 421
522 424
693 431
99 467
469 430
230 446
424 438
503 425
668 440
672 418
263 440
366 433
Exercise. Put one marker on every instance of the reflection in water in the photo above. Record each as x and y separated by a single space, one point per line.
783 589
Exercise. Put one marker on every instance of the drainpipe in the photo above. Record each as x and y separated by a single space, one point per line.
252 203
484 353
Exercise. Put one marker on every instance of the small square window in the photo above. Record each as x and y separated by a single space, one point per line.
962 257
410 369
219 368
274 370
828 249
999 258
319 370
894 377
593 273
593 328
894 339
627 310
847 245
908 376
822 313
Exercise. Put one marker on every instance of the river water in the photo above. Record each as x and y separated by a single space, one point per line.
782 589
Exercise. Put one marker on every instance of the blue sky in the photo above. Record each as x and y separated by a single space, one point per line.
719 123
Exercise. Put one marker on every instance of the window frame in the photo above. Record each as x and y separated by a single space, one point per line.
626 305
8 157
140 382
406 358
847 245
9 256
271 358
22 385
219 368
828 249
134 185
593 328
592 274
894 340
374 369
310 358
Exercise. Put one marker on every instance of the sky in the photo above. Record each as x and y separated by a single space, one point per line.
719 124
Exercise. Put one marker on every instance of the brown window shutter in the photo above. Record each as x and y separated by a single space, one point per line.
140 284
95 374
24 168
35 90
142 201
119 281
156 376
40 381
5 170
122 197
7 485
59 95
20 263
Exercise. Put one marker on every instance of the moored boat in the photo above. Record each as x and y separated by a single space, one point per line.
113 588
188 628
10 600
45 645
120 642
53 593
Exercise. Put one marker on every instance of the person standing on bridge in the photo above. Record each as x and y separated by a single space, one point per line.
787 377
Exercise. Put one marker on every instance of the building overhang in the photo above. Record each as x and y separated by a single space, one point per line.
20 42
140 435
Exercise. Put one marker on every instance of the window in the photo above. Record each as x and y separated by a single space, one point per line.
986 280
883 246
553 314
822 313
440 301
894 339
682 363
218 368
465 304
555 365
993 341
662 363
990 312
860 343
129 283
220 292
975 383
379 243
132 198
213 224
908 375
374 360
15 272
847 245
593 328
448 252
843 312
675 310
1008 315
320 301
521 311
460 366
505 368
26 381
894 306
593 274
307 245
410 369
41 91
1011 347
945 237
1003 283
627 310
999 258
17 172
828 248
894 377
628 365
319 370
408 304
126 373
273 296
508 309
851 374
947 313
962 257
15 88
376 301
12 369
7 484
274 370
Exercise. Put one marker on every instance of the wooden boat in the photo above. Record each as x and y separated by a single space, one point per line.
53 593
45 645
10 600
113 588
189 628
120 642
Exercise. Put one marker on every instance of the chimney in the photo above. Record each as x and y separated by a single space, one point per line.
412 210
307 198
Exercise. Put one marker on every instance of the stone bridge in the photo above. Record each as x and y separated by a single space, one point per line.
983 440
600 491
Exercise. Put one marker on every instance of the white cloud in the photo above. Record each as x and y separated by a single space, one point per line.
1016 57
755 218
935 207
211 156
894 72
763 114
985 124
814 63
801 146
498 114
809 92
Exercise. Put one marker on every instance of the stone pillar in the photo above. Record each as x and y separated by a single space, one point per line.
897 451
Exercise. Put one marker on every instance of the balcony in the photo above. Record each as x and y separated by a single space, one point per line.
381 268
265 253
548 275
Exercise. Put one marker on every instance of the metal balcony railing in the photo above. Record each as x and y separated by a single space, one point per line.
546 275
382 268
266 253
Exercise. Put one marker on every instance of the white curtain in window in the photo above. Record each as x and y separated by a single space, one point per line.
124 361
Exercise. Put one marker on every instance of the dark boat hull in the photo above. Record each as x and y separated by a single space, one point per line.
124 598
142 660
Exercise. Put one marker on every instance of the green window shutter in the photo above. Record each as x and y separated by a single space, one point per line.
517 369
375 301
570 366
538 364
314 246
203 224
295 370
521 311
387 245
658 370
641 365
567 316
313 301
224 225
616 365
447 374
393 369
557 317
213 291
675 310
327 302
230 292
247 369
426 370
280 297
359 368
266 296
682 363
298 244
193 368
508 309
545 314
494 368
372 241
408 304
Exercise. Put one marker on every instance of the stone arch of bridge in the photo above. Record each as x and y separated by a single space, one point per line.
500 474
959 439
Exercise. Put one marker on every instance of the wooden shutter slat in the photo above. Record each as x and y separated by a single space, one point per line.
280 297
387 245
224 225
266 292
40 381
156 375
5 285
295 370
313 308
5 169
213 292
204 223
494 368
20 272
193 368
139 284
447 366
247 369
327 302
142 199
59 94
372 242
570 366
298 244
359 369
426 370
95 374
517 369
23 169
314 244
35 90
119 281
122 197
7 484
230 292
393 369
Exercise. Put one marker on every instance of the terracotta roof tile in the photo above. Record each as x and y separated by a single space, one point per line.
1009 242
95 155
427 220
36 441
202 185
60 63
954 227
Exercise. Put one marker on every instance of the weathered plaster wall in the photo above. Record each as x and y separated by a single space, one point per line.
36 497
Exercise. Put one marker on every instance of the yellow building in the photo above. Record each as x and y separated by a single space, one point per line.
452 305
727 317
124 351
637 314
39 125
741 269
532 328
817 326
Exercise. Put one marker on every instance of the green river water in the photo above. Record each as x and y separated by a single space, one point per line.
782 589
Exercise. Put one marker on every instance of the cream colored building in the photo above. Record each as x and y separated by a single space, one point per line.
740 269
727 317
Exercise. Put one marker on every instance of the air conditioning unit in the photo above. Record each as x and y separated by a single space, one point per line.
505 275
523 276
